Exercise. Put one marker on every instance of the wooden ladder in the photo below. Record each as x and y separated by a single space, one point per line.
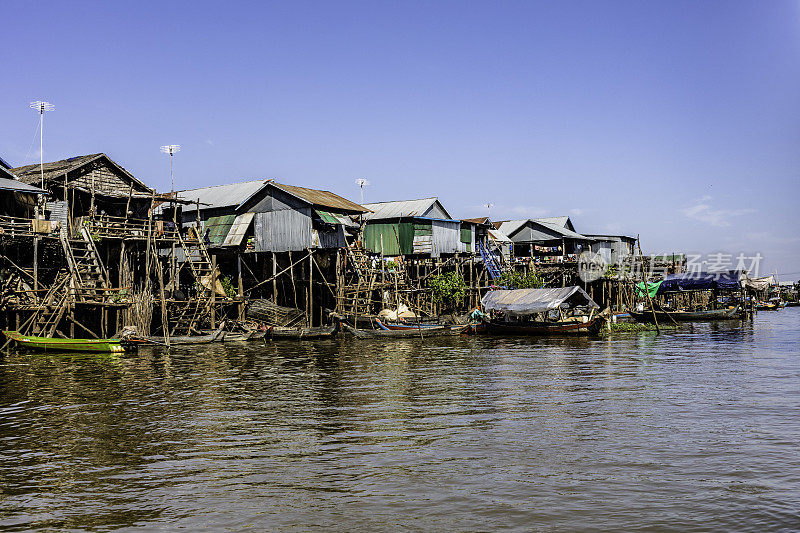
90 281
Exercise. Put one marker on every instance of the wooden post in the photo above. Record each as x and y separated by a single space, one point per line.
291 275
240 287
274 279
310 287
213 291
646 288
36 270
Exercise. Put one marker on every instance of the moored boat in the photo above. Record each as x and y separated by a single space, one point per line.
320 332
51 344
402 333
527 312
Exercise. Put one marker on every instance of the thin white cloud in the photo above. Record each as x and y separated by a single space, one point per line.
703 211
209 142
527 211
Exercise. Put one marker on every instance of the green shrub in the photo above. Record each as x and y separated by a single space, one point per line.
448 289
518 280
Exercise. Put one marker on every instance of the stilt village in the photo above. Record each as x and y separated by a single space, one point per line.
89 251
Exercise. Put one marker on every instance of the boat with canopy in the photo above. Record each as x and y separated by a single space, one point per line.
557 311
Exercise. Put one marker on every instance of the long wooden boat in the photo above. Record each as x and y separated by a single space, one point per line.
404 327
592 327
687 316
404 333
322 332
50 344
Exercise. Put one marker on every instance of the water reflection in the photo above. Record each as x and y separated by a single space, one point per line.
692 429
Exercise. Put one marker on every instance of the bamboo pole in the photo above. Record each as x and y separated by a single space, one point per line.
646 288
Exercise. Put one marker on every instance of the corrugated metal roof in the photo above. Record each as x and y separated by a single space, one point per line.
317 197
400 208
327 217
228 195
240 226
563 230
235 194
498 235
509 227
558 221
8 184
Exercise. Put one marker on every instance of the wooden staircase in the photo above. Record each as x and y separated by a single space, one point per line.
90 282
198 258
51 310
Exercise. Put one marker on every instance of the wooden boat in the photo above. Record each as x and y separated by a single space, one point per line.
404 333
322 332
687 316
403 327
499 327
50 344
525 304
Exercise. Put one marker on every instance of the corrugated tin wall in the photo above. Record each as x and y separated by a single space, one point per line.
283 231
59 210
446 237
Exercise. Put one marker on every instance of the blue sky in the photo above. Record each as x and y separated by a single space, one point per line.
676 120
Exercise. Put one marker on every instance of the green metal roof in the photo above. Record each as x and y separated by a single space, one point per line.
218 228
327 217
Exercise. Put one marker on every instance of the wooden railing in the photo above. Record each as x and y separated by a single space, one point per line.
24 227
121 227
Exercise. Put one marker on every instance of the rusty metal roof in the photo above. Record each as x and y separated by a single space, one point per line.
236 194
320 198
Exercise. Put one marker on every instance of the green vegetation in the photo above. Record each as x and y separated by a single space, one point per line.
635 326
448 289
518 280
227 286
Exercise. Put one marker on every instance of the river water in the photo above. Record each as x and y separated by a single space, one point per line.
697 429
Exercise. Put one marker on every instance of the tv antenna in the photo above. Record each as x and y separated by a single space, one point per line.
489 210
171 149
41 107
362 182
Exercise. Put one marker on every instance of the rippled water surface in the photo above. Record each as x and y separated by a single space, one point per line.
691 430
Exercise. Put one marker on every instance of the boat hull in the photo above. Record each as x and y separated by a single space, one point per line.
411 333
592 327
49 344
323 332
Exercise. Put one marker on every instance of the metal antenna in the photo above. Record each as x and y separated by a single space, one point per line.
489 211
41 107
361 182
171 149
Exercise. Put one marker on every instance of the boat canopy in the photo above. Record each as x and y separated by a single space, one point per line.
700 281
759 284
532 301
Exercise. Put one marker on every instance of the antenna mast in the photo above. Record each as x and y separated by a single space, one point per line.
41 107
361 182
171 149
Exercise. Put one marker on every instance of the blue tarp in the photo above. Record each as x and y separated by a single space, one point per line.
698 281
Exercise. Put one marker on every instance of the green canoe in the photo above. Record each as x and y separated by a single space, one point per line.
49 344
